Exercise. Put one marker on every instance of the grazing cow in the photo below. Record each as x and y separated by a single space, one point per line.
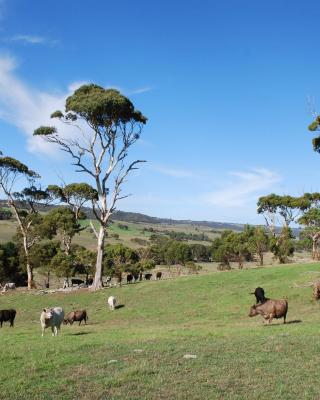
270 309
259 293
80 315
135 276
158 275
89 281
7 315
52 317
112 301
129 278
76 281
9 286
147 277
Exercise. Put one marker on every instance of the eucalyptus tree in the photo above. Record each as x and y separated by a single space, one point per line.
282 210
108 125
311 220
76 195
65 225
24 206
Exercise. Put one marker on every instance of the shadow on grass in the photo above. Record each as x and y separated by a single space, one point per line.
79 333
294 321
119 306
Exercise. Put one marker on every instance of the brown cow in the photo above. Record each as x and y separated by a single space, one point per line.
80 315
270 309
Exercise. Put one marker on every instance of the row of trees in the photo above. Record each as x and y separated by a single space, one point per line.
288 210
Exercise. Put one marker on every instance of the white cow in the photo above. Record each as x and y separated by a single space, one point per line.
52 317
9 286
112 301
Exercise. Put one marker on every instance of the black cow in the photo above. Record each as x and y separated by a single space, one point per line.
159 275
76 281
89 281
259 293
147 277
7 315
136 276
129 278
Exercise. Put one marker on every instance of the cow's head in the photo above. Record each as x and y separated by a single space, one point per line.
47 313
253 311
66 321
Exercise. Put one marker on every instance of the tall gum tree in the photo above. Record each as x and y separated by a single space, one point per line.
108 125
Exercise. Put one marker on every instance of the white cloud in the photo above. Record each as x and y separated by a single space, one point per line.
32 39
28 108
243 189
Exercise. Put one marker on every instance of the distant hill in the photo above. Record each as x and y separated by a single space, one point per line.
125 216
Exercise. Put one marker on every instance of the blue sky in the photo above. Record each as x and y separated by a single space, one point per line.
224 85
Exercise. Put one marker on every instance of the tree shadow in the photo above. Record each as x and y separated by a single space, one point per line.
119 306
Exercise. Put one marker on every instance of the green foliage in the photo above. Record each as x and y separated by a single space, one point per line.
9 165
45 131
282 245
101 106
118 259
5 214
10 270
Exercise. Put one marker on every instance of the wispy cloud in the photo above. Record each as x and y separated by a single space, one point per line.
140 90
243 188
28 108
174 172
32 39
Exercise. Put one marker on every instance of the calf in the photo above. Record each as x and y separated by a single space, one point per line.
112 301
159 275
129 278
80 316
147 277
76 281
270 309
7 315
259 293
52 317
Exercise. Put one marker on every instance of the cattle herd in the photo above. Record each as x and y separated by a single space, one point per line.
53 317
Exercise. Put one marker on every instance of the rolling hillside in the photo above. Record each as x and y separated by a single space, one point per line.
137 352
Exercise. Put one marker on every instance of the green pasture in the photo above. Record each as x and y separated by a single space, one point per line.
136 352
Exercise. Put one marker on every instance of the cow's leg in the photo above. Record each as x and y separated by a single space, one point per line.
52 330
270 318
42 332
80 322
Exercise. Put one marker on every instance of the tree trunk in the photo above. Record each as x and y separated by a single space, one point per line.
261 258
97 284
314 250
31 284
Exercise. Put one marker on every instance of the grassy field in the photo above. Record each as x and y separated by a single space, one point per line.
135 230
136 352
